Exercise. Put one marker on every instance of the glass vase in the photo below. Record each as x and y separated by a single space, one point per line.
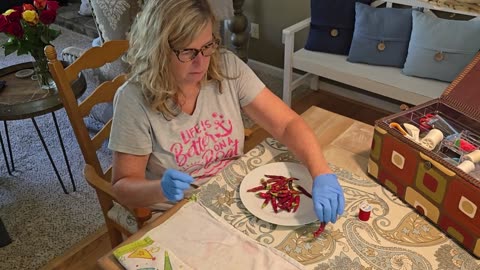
42 74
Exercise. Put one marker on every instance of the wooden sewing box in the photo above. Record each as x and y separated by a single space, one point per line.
429 180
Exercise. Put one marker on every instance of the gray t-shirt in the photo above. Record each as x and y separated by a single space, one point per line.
200 144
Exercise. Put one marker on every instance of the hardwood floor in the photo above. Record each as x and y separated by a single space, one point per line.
85 254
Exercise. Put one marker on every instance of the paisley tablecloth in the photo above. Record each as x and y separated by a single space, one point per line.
395 237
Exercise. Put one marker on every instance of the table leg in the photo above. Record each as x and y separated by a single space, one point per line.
5 155
4 237
64 152
48 154
9 145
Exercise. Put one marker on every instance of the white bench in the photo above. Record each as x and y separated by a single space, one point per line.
385 81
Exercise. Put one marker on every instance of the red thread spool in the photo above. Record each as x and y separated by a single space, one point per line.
364 211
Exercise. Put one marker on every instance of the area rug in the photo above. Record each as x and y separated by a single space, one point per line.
42 221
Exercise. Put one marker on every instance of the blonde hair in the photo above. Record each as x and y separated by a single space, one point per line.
160 26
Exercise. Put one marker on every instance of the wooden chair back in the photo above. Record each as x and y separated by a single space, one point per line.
96 176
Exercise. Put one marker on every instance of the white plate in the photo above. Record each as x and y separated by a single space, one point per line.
304 214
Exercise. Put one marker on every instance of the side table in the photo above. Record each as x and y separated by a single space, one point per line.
22 99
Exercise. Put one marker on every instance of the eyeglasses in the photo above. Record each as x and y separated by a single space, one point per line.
187 55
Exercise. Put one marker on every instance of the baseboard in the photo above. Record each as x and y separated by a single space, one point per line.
345 91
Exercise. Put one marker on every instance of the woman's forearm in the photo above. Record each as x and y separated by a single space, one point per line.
138 192
301 140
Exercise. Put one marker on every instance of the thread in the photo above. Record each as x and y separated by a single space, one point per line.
467 166
473 156
413 132
432 139
364 211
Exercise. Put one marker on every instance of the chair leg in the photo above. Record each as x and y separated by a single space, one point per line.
115 235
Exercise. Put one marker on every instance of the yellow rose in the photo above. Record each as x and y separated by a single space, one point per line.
8 12
30 16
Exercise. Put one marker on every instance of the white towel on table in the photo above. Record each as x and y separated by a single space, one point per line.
199 239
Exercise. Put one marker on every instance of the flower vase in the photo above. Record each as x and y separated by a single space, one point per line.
42 74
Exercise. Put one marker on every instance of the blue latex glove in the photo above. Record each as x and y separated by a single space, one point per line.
328 198
174 183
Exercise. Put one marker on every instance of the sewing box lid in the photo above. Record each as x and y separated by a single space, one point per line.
464 92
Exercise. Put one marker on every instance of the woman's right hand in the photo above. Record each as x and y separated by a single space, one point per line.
174 183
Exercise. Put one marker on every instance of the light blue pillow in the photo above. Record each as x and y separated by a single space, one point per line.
440 48
381 35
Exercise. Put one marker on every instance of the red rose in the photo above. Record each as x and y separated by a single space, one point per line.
14 29
52 5
3 23
28 7
48 16
14 16
18 8
40 4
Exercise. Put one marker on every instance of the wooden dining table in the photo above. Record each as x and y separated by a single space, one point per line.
395 236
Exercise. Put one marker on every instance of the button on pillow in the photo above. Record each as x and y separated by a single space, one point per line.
381 35
440 48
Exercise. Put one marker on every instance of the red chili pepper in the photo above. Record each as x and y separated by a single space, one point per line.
274 205
282 200
289 205
271 176
264 195
280 186
265 203
296 203
320 230
255 189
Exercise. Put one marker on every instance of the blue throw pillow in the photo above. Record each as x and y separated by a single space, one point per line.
331 28
381 35
440 48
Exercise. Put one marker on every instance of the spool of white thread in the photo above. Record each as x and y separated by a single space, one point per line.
433 138
467 166
472 156
413 132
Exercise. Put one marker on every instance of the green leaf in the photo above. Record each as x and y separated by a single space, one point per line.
11 41
10 48
22 50
53 33
45 39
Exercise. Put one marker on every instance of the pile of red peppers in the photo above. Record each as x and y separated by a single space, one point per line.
280 192
283 194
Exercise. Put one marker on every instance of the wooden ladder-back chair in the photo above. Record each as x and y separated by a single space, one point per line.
98 178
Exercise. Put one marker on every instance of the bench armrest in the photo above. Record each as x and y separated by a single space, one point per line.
291 30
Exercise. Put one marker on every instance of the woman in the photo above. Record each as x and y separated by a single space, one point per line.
178 119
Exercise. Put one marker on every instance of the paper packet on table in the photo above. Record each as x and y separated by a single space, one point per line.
146 254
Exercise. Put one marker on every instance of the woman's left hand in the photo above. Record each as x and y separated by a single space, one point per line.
328 198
